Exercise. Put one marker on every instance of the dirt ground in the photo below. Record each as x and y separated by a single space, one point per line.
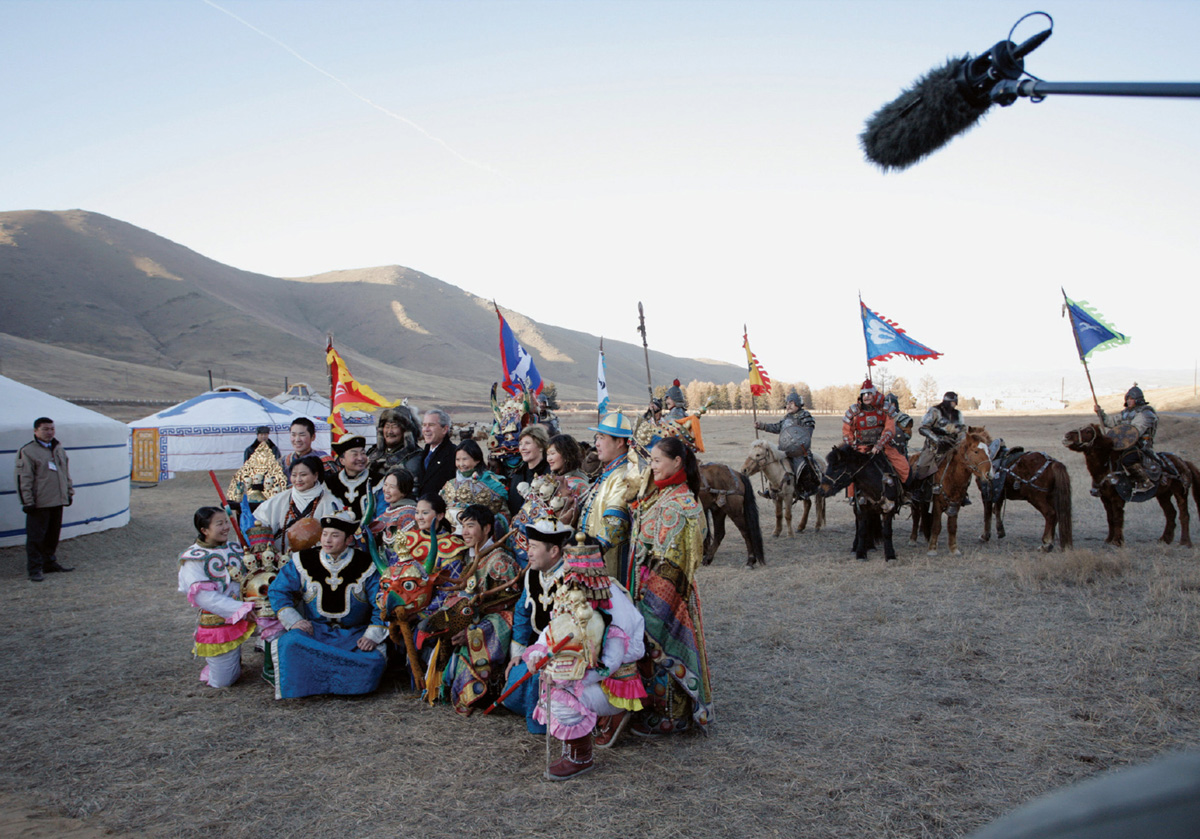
922 697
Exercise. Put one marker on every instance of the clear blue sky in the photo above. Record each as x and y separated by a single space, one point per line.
571 158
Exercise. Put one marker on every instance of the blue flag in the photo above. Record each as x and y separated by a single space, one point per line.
1091 331
885 339
518 363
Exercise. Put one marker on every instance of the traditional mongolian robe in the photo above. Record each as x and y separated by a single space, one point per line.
337 595
211 577
604 516
668 544
282 510
537 506
531 616
351 493
481 487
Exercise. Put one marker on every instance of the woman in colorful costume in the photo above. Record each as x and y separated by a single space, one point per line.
307 499
400 514
593 641
210 574
474 484
668 544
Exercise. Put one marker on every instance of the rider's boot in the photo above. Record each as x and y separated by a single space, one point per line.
1138 472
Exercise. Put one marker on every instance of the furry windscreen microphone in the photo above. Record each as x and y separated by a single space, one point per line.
922 119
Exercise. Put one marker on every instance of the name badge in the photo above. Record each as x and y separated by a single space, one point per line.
53 466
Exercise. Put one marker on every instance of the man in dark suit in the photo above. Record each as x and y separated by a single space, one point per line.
436 463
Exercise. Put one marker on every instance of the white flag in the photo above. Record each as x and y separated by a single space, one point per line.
601 385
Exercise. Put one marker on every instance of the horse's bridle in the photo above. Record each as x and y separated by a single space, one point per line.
1092 436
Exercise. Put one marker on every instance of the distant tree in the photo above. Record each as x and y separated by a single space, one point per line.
733 395
904 394
927 390
883 378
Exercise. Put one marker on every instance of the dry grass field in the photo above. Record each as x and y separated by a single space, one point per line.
917 698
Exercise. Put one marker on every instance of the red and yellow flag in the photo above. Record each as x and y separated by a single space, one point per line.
760 382
347 394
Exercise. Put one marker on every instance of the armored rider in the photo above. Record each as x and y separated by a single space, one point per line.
1143 418
795 432
867 426
674 403
547 417
904 423
943 428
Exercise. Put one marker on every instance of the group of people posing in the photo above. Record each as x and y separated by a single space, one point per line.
565 598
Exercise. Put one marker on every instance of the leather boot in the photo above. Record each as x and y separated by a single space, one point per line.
608 729
1138 472
576 759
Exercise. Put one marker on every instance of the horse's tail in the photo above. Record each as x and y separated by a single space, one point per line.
750 512
1060 499
1195 482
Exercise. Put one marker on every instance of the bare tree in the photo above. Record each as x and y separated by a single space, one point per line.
927 390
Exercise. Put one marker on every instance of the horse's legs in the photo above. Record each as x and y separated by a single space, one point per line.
889 549
999 510
1042 503
952 533
935 524
1185 520
803 516
987 519
1118 520
715 534
820 512
862 533
1168 507
778 516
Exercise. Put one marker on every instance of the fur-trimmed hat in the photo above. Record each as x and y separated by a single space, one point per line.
550 531
347 442
339 523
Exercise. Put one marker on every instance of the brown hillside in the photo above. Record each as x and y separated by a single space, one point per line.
126 294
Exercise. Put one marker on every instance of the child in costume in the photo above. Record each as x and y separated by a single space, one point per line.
210 574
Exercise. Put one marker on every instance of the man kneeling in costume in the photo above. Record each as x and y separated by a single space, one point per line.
325 598
591 640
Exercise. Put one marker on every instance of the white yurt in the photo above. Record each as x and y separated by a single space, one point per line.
98 452
301 397
211 431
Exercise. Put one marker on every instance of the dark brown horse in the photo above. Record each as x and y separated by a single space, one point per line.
1035 477
727 493
1172 490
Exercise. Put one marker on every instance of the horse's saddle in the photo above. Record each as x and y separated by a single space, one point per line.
807 476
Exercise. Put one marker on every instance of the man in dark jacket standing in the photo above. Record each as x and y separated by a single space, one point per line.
44 485
435 463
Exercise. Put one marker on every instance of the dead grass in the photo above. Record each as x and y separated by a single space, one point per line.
922 697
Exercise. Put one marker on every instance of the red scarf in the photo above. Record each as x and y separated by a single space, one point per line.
675 480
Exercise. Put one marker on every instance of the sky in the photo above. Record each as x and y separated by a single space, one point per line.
570 159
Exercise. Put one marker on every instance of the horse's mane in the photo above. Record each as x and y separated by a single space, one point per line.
769 446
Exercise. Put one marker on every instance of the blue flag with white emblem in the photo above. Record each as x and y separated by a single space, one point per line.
886 339
601 384
518 364
1091 331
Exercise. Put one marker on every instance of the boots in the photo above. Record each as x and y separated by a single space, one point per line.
268 667
1138 472
608 729
576 759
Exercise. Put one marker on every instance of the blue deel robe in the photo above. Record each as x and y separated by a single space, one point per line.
529 619
339 600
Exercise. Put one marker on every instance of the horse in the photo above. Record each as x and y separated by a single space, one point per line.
1035 477
770 461
949 488
876 495
726 493
1171 491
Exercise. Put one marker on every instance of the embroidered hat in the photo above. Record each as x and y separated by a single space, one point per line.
615 424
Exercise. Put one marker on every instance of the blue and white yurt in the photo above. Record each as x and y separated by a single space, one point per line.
212 430
97 449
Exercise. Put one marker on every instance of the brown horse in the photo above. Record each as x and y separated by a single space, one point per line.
949 489
1172 490
1041 480
770 461
726 493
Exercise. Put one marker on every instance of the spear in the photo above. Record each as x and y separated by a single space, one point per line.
228 510
645 349
529 672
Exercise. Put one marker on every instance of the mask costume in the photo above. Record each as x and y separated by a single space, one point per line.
211 577
547 496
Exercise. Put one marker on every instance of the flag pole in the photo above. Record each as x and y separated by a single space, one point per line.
599 413
645 349
866 343
1078 346
332 393
753 405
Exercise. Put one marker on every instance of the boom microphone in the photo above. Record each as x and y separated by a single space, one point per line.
944 103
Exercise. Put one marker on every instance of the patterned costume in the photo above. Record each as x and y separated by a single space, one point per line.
351 492
384 527
282 510
288 460
604 515
531 616
337 595
481 487
547 497
668 544
868 427
211 577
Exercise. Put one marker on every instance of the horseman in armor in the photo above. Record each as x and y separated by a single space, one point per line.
868 427
795 432
1141 416
547 417
674 403
904 423
943 428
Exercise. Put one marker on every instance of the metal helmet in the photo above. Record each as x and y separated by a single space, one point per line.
893 400
795 399
868 395
1135 393
675 393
